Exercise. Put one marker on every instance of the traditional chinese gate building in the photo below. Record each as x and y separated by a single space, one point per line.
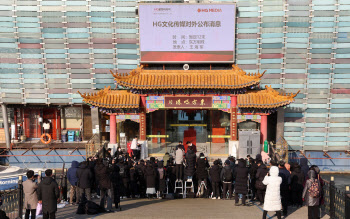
205 107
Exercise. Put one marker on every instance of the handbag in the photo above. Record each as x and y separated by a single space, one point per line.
39 209
259 185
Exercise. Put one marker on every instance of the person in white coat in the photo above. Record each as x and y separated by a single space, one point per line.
272 197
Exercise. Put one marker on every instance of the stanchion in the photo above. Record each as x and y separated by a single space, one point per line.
54 174
347 202
332 198
20 196
64 184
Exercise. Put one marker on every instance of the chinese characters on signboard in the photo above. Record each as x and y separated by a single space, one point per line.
188 102
188 42
234 124
142 126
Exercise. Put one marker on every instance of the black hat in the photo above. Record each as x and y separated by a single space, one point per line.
227 162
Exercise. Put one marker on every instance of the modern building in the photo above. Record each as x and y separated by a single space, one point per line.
50 50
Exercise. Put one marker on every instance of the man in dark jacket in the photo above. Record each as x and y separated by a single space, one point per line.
215 179
48 195
296 185
304 166
285 175
260 175
140 169
227 178
102 173
73 180
84 176
190 159
241 185
202 169
252 172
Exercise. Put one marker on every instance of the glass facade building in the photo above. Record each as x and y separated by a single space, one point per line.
51 49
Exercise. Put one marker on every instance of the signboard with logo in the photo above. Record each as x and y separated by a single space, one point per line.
188 102
187 33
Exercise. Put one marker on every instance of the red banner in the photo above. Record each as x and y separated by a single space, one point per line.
188 102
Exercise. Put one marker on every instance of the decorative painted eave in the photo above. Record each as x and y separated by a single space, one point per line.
142 79
265 99
112 99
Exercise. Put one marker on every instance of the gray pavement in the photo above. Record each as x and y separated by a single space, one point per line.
183 208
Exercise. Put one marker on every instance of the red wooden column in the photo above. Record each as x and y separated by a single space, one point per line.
113 129
142 114
263 128
233 125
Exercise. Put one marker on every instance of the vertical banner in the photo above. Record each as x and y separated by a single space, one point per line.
143 126
233 125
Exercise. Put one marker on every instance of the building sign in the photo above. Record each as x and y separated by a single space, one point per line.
121 118
186 33
188 102
234 124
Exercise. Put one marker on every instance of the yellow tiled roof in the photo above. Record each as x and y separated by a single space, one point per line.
141 78
264 99
108 98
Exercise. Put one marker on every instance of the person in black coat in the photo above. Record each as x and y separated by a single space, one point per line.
102 173
252 172
126 177
85 178
140 169
150 175
214 172
161 178
48 195
133 180
259 185
241 185
296 184
202 169
227 178
190 159
284 189
117 183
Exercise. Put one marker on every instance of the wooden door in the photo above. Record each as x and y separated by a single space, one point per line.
87 124
53 115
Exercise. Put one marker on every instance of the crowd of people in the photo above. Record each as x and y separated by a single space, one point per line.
114 177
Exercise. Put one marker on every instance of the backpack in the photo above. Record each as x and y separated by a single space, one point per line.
92 208
314 190
161 173
228 175
122 170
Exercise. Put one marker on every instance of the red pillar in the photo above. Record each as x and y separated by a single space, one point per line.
113 129
233 125
263 128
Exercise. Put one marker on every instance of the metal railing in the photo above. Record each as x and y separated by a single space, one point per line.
336 202
13 199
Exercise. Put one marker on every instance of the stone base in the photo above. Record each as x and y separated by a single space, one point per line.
233 148
113 147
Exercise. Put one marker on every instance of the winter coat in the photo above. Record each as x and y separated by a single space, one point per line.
297 179
166 157
311 201
214 172
84 176
191 164
150 175
117 183
241 176
285 175
179 156
102 174
72 173
222 174
304 166
161 182
202 168
272 197
48 193
30 194
260 175
3 215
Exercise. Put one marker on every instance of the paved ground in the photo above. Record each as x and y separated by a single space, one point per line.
182 208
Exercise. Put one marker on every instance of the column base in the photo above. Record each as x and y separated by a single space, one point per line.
113 147
233 148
